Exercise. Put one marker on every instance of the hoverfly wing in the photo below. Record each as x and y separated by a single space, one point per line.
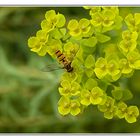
51 67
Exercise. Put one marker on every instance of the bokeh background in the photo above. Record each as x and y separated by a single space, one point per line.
28 96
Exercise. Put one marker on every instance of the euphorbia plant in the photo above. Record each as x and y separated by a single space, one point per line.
103 50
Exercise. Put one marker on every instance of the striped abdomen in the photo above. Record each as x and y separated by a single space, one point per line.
62 59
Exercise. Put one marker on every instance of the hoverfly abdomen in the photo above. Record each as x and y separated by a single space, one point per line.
62 59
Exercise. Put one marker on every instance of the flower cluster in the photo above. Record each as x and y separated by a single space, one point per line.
48 37
80 28
105 18
101 52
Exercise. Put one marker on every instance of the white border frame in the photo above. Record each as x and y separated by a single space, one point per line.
72 3
68 2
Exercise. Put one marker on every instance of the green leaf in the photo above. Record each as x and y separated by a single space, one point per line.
127 95
63 31
89 72
90 61
117 93
137 18
90 84
118 22
102 38
90 42
129 19
56 34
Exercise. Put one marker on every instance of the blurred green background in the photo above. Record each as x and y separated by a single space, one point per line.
28 96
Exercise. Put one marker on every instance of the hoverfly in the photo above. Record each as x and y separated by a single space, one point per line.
65 59
62 60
